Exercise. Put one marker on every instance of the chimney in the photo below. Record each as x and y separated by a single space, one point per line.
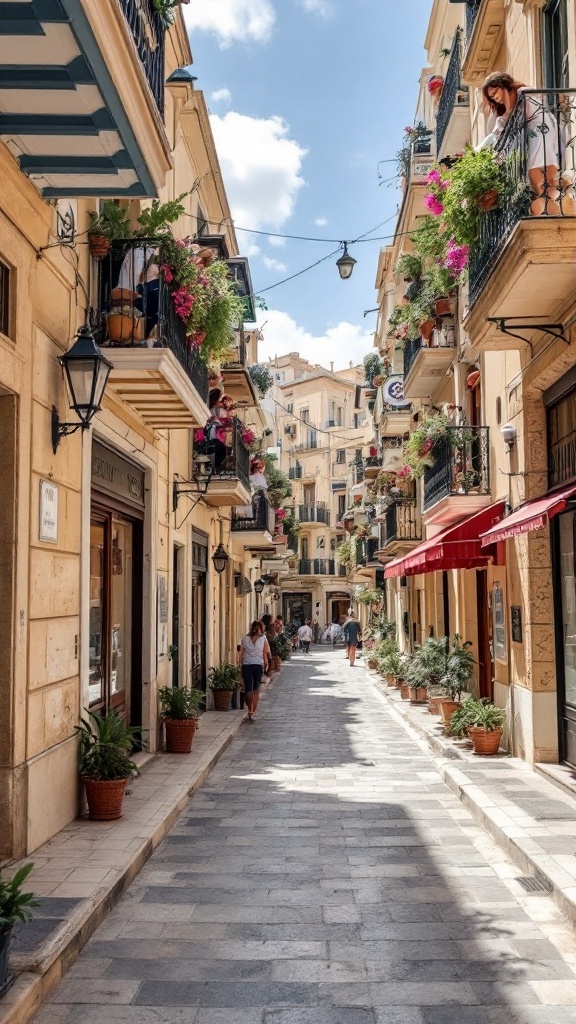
331 367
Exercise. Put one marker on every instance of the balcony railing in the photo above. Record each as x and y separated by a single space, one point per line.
452 86
238 352
310 442
136 308
229 457
472 8
461 465
539 140
414 346
317 567
295 473
148 33
373 462
314 514
357 474
403 521
263 517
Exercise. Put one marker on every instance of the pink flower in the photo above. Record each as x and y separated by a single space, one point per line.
248 436
434 178
183 302
168 275
408 130
456 257
433 204
199 436
404 472
280 513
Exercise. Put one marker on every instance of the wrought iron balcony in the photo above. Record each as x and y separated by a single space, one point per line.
238 353
411 349
148 33
358 475
310 442
538 142
317 567
230 477
426 362
262 520
461 466
403 521
454 94
156 369
472 8
317 513
366 551
295 472
372 466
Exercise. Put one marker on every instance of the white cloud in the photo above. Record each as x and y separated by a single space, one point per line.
321 222
277 241
221 96
250 248
232 20
261 166
341 344
321 7
274 264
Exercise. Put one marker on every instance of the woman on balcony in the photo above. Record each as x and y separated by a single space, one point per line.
545 147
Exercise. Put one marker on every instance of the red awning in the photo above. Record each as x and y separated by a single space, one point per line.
534 515
457 547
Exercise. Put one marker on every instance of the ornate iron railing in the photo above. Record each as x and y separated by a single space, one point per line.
295 472
263 516
230 457
472 8
449 97
316 567
411 349
403 521
314 514
372 461
539 137
148 33
136 310
311 442
461 465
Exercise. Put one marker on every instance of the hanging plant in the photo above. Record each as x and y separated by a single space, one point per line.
165 11
409 267
261 377
418 450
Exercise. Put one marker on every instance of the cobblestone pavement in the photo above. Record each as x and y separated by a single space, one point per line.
325 875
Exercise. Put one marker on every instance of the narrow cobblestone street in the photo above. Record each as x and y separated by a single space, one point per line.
325 875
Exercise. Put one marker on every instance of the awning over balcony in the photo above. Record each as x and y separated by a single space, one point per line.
457 547
534 515
81 89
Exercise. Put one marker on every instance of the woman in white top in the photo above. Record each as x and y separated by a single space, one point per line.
254 658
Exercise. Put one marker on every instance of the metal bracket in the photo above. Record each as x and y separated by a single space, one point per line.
554 330
60 430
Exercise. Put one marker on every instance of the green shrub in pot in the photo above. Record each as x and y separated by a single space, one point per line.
15 906
106 742
179 707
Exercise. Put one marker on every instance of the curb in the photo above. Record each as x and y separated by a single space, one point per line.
39 973
521 848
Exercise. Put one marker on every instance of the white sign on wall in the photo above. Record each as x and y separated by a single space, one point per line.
48 529
393 390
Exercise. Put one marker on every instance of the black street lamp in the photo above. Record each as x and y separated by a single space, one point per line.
86 371
345 264
258 588
220 559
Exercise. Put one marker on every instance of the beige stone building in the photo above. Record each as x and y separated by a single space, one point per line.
107 584
496 505
320 430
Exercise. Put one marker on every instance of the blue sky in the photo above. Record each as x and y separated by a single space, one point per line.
306 97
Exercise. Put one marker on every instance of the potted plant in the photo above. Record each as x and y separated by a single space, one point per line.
15 905
179 709
106 742
261 377
485 726
223 682
112 222
459 673
390 659
165 11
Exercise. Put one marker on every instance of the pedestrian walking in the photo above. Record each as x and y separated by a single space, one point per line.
335 633
255 660
353 635
305 636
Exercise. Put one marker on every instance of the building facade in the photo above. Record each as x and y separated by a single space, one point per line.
108 585
496 562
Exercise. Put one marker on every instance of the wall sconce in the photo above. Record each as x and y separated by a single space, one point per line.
202 470
220 559
86 372
509 435
346 263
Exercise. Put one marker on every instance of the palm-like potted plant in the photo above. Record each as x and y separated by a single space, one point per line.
223 680
179 709
111 223
485 726
15 905
106 742
459 673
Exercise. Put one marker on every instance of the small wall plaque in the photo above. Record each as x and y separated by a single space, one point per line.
48 529
516 617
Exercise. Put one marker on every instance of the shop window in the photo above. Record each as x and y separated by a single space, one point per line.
4 299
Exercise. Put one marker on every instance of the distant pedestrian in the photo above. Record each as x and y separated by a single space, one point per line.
353 634
305 636
335 633
255 659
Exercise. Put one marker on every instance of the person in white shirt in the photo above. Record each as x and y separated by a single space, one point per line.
305 636
255 660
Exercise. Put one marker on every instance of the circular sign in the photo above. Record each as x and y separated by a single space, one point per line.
393 390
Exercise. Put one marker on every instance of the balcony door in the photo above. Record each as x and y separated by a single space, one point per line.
199 569
309 494
555 45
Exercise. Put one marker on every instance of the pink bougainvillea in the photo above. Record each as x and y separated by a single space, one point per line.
456 257
199 435
433 204
248 436
183 302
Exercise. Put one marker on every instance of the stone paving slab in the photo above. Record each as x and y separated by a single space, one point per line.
82 872
326 873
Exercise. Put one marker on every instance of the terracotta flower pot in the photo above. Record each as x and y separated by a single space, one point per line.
105 798
179 735
405 691
418 694
391 680
442 307
276 663
99 246
487 200
398 684
426 329
122 328
434 705
485 742
447 709
372 663
222 700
